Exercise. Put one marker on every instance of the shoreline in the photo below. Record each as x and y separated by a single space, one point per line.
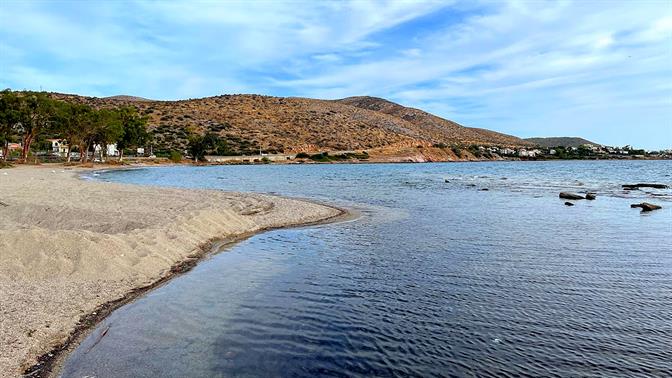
50 363
56 274
132 163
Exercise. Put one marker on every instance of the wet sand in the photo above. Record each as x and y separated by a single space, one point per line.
72 250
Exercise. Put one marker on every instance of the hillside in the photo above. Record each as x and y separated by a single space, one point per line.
560 141
126 98
274 124
431 126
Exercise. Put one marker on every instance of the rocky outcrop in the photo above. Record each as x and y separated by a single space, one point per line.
645 206
569 204
591 196
637 186
571 196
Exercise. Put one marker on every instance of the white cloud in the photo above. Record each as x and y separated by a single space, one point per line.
520 66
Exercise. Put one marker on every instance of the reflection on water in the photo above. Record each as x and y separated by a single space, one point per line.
434 279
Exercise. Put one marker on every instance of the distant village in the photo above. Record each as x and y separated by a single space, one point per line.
585 151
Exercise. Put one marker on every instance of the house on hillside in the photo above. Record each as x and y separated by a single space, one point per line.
592 147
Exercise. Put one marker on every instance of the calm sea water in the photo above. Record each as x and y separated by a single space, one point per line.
434 278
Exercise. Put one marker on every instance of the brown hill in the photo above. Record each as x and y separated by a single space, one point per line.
429 125
275 124
126 98
560 141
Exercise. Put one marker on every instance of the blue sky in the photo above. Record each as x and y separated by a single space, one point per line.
597 69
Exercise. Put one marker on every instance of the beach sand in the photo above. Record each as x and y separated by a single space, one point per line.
68 246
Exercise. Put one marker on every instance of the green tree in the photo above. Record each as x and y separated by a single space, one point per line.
200 145
10 118
69 120
100 127
134 130
37 115
108 129
197 147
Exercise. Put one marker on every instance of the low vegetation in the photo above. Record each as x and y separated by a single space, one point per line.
175 156
325 157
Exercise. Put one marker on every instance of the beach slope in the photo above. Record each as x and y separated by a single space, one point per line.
69 246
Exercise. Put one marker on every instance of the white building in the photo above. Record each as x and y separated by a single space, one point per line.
58 146
111 149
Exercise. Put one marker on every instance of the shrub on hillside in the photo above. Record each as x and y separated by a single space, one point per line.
175 156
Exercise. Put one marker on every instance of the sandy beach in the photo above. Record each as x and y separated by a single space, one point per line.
69 246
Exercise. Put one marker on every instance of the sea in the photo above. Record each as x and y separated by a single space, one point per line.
474 269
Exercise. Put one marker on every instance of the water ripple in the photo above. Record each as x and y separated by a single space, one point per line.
435 279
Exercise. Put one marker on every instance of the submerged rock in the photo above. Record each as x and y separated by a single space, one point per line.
569 204
645 206
591 196
637 186
570 196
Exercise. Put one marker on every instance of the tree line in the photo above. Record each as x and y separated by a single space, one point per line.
27 116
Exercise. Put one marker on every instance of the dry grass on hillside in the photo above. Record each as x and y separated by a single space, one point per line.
251 123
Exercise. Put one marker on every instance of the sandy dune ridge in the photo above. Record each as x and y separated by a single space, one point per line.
68 246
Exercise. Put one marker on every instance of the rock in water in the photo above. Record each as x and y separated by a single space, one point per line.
637 186
570 196
645 206
569 204
590 196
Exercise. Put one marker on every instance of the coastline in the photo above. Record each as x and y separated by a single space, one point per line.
63 269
